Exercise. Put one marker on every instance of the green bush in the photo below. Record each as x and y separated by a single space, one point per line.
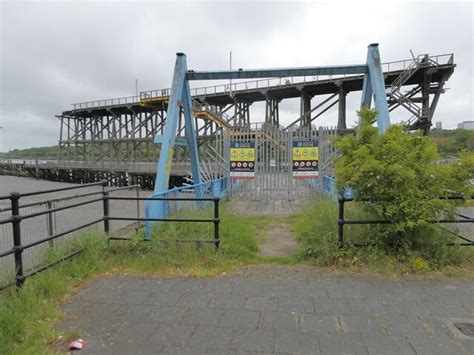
396 176
393 176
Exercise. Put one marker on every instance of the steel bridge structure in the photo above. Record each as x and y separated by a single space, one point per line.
115 137
109 124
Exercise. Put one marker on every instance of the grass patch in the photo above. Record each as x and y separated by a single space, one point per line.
163 255
423 250
26 315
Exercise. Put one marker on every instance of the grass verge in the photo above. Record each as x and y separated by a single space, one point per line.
425 250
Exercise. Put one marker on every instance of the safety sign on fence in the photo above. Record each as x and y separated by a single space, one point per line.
242 160
305 159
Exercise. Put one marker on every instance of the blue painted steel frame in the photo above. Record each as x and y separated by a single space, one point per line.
180 95
374 84
276 73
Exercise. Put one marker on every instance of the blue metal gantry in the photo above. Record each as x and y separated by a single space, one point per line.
180 97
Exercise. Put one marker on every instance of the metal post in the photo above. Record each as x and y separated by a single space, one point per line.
36 169
341 121
106 213
138 202
106 208
14 198
340 222
376 88
50 223
230 68
216 223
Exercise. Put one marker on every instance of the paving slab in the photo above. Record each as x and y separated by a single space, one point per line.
272 310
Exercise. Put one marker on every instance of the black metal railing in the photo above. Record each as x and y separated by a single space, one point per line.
342 222
16 219
215 220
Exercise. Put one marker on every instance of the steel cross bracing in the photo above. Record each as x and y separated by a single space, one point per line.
122 130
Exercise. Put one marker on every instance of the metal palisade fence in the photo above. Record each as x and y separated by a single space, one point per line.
269 162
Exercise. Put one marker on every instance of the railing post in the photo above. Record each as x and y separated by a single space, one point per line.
105 196
50 223
340 222
138 205
216 222
16 220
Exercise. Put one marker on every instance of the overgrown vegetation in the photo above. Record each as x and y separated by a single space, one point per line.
164 255
316 229
394 176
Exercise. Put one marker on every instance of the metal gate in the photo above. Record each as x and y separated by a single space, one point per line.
273 170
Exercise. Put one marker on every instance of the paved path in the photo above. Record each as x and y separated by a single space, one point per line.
270 310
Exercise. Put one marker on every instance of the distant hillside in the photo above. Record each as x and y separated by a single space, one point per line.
453 141
32 153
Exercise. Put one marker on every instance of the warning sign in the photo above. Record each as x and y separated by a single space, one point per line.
242 160
305 159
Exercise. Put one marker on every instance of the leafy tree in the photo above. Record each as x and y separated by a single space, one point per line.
397 177
453 141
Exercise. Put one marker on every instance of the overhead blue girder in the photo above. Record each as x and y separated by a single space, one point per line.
276 73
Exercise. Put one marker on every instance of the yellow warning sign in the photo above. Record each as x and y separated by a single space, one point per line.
305 153
242 154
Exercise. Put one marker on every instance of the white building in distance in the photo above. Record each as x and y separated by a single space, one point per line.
466 125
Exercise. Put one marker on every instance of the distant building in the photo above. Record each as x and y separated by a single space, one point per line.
466 125
439 125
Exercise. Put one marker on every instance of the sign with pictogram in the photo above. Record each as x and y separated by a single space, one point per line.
242 160
305 159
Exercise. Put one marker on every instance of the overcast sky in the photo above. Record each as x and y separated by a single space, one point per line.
54 54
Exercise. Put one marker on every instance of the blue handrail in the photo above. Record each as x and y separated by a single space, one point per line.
161 209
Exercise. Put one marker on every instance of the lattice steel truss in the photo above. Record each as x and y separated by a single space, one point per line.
122 130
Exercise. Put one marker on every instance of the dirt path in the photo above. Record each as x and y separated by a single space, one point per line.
282 207
278 240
